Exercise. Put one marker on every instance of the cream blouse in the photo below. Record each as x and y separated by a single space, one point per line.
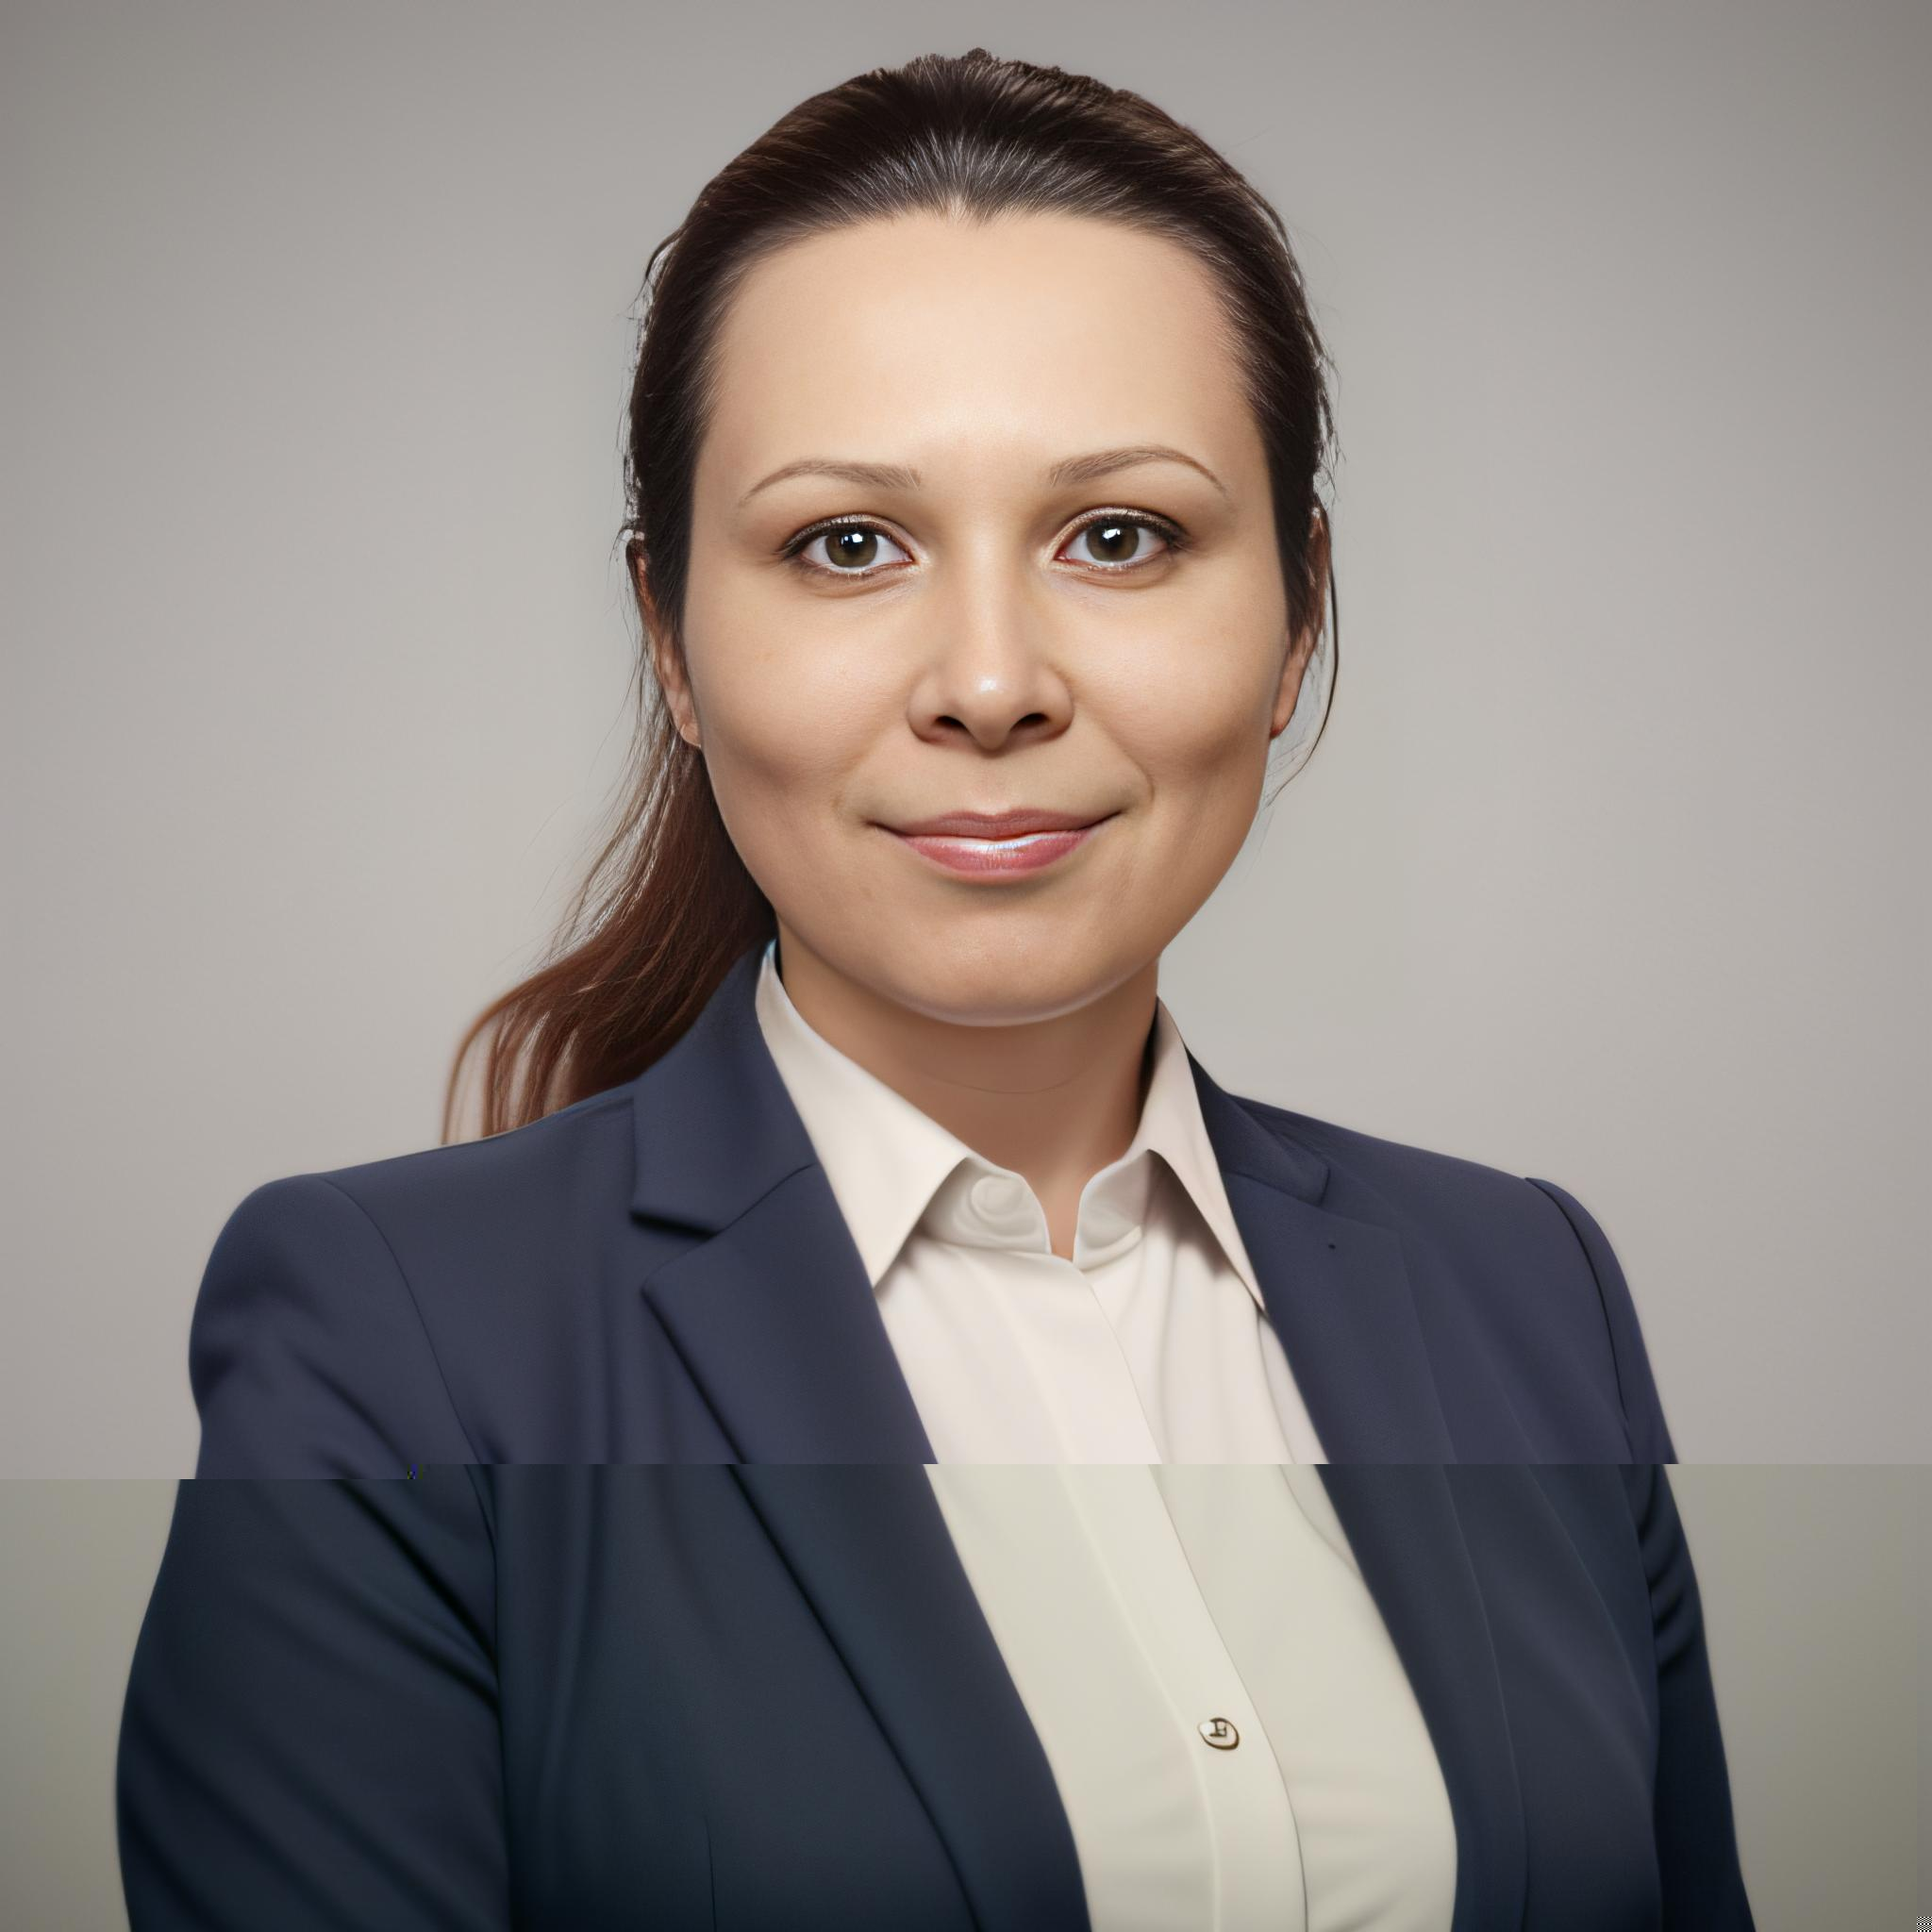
1231 1732
1230 1729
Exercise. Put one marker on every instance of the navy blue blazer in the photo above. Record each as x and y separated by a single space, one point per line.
753 1697
661 1274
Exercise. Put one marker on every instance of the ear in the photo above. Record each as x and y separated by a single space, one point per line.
1302 645
665 662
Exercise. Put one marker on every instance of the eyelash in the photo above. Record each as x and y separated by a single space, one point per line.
794 551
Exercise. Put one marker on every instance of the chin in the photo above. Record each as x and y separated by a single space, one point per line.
996 981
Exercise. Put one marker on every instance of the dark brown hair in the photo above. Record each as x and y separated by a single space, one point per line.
667 905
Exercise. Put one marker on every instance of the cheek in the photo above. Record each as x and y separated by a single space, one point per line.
1200 745
780 742
1197 726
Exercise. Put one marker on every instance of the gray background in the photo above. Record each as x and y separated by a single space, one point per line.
1809 1578
317 327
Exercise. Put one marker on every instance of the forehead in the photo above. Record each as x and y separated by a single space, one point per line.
928 337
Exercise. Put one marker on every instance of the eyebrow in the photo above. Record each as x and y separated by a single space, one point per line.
1068 470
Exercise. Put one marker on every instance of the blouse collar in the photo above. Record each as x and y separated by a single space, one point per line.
894 1168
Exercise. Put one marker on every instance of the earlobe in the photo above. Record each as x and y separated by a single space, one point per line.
1294 671
679 699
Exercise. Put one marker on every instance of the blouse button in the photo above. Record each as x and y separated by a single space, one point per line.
1221 1734
997 1196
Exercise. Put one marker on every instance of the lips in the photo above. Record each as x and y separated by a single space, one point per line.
1004 825
991 845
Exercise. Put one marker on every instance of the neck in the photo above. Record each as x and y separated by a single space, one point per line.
1053 1100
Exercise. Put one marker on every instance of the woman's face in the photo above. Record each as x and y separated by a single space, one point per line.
972 637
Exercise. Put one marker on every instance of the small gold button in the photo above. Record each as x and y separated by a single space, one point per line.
1221 1734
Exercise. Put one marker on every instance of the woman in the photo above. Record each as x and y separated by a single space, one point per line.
1396 1699
851 1136
974 452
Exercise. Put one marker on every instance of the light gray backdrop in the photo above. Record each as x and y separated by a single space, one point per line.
1609 870
1808 1578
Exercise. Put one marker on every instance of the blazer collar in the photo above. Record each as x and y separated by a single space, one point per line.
774 1314
910 1630
771 1308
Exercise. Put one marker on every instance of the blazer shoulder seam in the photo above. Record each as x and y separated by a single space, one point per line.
1550 1192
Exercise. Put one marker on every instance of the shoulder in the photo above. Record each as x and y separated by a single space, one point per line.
333 1315
470 1198
1446 1194
1518 1256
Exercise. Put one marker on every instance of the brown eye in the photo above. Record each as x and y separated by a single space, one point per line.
850 550
1118 542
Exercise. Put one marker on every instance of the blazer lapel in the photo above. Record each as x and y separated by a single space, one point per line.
771 1308
1337 1291
1408 1541
871 1551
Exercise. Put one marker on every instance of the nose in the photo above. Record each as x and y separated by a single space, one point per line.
994 674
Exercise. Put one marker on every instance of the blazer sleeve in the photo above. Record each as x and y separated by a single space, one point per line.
1643 1410
310 1732
1697 1834
307 1354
